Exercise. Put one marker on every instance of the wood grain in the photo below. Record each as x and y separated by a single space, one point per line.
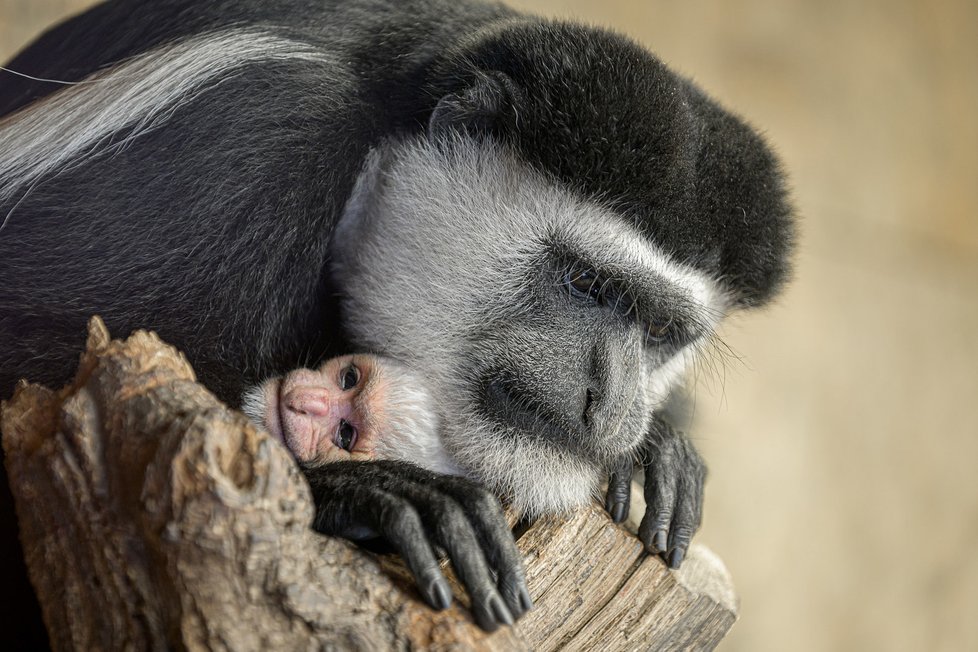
153 517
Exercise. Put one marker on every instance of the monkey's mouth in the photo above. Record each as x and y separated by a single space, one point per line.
505 402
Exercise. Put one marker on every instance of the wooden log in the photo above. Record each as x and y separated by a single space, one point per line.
153 517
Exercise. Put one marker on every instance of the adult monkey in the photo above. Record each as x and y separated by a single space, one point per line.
539 216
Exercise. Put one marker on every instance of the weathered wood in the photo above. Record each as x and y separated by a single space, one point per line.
153 517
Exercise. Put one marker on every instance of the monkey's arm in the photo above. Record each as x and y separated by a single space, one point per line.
413 509
674 477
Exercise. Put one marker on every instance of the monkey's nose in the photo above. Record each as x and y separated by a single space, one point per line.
306 400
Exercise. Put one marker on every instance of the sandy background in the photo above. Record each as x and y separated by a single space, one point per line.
843 445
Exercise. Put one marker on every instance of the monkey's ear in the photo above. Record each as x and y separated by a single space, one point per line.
476 109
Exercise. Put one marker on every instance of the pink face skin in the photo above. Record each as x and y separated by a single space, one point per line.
323 415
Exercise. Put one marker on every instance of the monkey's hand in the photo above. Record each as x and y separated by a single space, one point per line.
674 477
412 509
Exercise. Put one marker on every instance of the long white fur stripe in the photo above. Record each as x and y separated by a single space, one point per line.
140 93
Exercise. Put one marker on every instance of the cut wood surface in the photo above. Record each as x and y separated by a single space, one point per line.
153 517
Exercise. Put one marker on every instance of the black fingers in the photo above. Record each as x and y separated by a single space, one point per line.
343 506
660 499
674 477
485 516
689 505
619 494
399 523
413 508
450 528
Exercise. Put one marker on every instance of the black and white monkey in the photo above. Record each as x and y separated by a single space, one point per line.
539 217
351 408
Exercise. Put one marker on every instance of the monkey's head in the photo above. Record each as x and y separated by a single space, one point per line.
555 248
353 407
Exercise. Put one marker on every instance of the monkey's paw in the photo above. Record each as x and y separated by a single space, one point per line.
674 477
412 509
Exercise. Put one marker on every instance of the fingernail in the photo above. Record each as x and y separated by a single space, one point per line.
618 515
676 558
441 595
525 602
659 541
500 611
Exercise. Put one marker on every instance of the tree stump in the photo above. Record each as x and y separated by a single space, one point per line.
153 517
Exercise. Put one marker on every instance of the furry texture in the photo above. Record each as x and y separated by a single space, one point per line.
408 419
395 405
549 150
182 208
609 121
487 238
146 232
135 97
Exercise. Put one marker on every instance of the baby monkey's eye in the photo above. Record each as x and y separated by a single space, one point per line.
349 377
346 435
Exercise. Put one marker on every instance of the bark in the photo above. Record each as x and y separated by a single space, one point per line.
153 517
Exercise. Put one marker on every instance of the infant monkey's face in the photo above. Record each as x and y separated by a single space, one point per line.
354 407
329 414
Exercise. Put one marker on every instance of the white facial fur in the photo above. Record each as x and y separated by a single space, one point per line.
395 406
440 239
410 421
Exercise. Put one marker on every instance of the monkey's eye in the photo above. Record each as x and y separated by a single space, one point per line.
349 378
346 435
583 283
588 284
658 332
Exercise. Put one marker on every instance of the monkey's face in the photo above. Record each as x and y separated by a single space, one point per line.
323 415
549 329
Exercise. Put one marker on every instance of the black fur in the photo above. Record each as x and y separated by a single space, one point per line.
595 110
149 252
612 122
194 229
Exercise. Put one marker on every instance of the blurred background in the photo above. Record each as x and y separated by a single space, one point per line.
843 444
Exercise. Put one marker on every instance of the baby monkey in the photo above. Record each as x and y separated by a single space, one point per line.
353 407
366 407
